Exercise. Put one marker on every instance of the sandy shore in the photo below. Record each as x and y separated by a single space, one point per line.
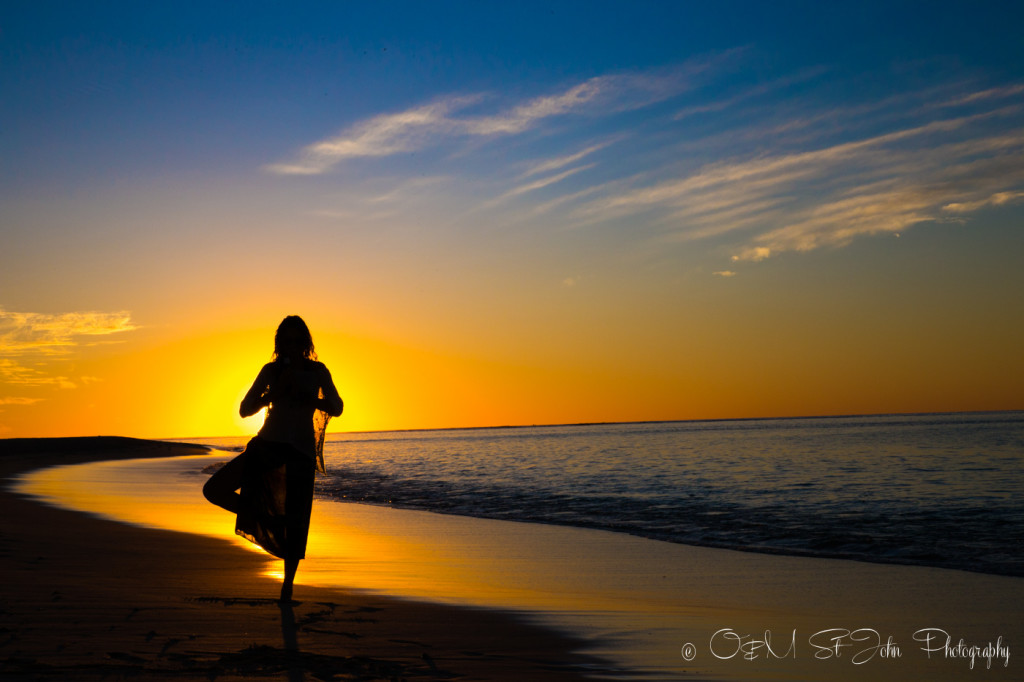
96 599
88 599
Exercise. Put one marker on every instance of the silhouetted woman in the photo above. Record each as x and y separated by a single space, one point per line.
275 473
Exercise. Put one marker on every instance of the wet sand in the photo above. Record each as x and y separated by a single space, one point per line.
84 598
183 605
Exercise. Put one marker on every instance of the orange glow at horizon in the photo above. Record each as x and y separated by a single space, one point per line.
189 383
640 228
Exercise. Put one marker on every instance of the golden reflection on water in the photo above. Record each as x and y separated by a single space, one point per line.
122 491
636 598
397 552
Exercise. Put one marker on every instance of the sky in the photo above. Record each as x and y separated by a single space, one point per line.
509 213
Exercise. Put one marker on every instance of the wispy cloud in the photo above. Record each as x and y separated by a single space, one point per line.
450 117
539 184
839 222
18 374
37 339
19 401
783 169
750 93
554 164
997 199
45 333
381 135
929 184
991 93
829 196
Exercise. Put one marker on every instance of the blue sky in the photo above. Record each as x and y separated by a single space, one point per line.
607 186
129 91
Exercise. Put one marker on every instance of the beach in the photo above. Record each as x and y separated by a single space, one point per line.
89 599
553 342
420 595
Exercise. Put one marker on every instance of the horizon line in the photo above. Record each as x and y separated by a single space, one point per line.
623 423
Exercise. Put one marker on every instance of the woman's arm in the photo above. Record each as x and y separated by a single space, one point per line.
256 399
331 403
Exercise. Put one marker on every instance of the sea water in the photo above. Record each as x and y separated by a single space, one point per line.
936 490
933 490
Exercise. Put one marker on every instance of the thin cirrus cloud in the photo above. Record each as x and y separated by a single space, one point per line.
17 374
548 165
449 118
43 336
381 135
928 185
830 195
751 93
997 199
538 184
822 175
47 333
19 401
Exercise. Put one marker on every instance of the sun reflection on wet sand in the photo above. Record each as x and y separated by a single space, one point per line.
392 551
636 600
156 493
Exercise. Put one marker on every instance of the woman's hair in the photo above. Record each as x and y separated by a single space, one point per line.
294 323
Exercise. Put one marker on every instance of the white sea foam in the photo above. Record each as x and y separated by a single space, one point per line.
938 490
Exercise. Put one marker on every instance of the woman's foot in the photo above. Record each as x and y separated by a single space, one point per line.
286 591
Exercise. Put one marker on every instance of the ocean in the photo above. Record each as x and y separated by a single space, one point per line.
943 490
923 490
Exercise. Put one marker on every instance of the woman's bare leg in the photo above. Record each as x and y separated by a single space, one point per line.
221 487
290 567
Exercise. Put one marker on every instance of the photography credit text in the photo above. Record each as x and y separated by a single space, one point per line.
858 646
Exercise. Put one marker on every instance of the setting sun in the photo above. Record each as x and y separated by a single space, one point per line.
643 328
708 230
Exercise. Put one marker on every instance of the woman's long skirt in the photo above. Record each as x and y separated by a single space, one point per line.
277 498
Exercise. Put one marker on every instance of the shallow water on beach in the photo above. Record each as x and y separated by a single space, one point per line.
935 490
636 603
